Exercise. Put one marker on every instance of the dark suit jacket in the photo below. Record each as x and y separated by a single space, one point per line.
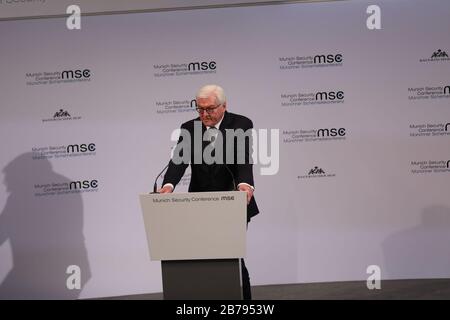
216 177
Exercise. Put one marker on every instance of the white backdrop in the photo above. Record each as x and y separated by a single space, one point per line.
381 197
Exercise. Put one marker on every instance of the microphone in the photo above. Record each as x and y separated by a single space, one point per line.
155 185
232 176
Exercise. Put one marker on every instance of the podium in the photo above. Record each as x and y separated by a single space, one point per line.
199 239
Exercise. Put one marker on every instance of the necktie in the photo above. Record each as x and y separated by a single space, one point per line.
211 136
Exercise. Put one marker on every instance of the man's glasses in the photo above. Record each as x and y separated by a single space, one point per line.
208 110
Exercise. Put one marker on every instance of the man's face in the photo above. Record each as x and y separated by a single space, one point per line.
214 113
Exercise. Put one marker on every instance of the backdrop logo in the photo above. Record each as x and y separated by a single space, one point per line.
314 135
64 188
64 151
333 132
429 129
311 61
60 115
311 98
316 172
438 55
203 66
330 96
85 185
80 148
58 77
175 106
185 68
430 167
429 92
76 74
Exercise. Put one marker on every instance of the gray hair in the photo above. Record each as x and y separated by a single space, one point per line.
212 90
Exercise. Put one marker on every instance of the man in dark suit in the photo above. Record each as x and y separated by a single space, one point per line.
223 173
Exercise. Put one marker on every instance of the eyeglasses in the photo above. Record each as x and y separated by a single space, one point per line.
208 110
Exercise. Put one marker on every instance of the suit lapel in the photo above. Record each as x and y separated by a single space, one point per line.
225 122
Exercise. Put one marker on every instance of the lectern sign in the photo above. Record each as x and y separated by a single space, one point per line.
204 225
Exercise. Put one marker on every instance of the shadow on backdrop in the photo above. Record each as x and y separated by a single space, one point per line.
422 251
45 233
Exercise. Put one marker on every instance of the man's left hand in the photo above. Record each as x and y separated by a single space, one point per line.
246 188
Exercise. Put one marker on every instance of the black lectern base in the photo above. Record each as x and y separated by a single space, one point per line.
215 279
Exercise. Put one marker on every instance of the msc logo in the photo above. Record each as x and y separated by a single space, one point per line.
316 170
328 58
197 66
330 95
76 74
333 132
77 148
447 90
85 184
447 126
193 104
227 198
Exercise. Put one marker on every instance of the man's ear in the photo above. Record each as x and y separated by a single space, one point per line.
225 105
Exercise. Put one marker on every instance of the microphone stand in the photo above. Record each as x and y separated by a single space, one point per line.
155 185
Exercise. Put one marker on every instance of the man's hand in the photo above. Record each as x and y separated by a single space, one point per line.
246 188
165 189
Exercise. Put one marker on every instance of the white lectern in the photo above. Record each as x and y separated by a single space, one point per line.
199 239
